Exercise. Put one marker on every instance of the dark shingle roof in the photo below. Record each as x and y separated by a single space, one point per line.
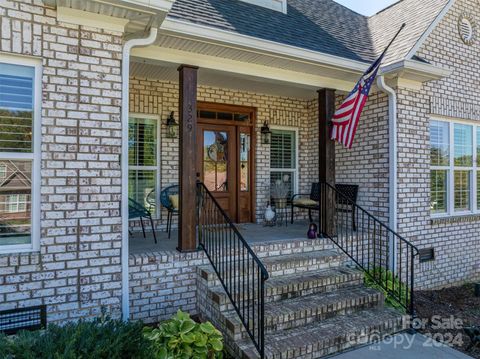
319 25
417 14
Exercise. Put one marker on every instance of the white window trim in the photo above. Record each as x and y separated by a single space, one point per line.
159 162
297 169
35 156
451 168
4 171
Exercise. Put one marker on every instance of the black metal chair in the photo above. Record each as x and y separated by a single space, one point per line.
309 203
136 210
166 202
345 203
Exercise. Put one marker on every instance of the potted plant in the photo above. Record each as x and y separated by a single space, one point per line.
279 191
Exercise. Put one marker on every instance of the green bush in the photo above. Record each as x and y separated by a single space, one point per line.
102 338
392 283
183 338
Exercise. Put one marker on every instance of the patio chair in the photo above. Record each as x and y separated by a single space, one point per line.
300 200
136 210
344 204
169 200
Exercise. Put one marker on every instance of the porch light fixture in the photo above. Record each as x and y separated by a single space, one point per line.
172 126
266 134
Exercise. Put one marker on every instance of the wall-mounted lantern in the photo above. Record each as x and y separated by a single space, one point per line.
172 126
266 134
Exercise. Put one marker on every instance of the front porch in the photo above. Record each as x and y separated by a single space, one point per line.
252 232
243 168
232 108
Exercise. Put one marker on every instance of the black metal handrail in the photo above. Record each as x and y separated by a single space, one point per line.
238 268
386 257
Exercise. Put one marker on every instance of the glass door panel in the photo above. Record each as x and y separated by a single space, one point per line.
244 162
215 159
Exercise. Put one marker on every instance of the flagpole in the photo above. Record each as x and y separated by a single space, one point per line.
372 70
394 38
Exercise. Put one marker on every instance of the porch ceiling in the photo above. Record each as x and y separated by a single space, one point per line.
255 57
248 63
163 71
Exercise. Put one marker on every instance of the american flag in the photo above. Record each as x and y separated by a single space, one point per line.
345 120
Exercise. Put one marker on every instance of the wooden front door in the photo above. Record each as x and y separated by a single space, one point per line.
217 167
225 159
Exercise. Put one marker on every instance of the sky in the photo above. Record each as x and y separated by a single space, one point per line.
366 7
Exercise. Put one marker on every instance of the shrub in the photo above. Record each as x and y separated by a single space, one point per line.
181 337
392 283
99 339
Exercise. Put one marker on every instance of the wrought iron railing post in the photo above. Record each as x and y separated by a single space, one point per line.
412 283
262 320
234 262
373 233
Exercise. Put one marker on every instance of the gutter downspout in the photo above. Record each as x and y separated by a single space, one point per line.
124 161
392 153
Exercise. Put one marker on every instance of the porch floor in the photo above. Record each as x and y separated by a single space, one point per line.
253 233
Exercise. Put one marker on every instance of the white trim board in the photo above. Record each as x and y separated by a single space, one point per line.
84 18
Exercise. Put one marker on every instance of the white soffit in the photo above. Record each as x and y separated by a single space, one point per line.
289 73
111 14
79 17
415 71
204 34
202 53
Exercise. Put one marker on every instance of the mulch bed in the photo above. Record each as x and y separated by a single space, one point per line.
446 305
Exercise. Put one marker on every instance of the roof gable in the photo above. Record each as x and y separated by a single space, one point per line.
417 15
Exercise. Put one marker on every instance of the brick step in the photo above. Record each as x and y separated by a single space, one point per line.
295 285
283 264
326 337
283 247
293 313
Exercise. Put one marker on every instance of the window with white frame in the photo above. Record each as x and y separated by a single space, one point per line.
19 151
455 168
283 161
143 160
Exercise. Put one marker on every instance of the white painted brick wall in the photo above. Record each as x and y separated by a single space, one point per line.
78 268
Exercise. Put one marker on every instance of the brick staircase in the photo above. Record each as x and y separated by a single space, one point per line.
315 304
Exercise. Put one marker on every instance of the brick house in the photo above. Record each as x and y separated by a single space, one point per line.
86 89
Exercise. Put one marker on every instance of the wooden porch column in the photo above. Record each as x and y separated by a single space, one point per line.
326 156
187 241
